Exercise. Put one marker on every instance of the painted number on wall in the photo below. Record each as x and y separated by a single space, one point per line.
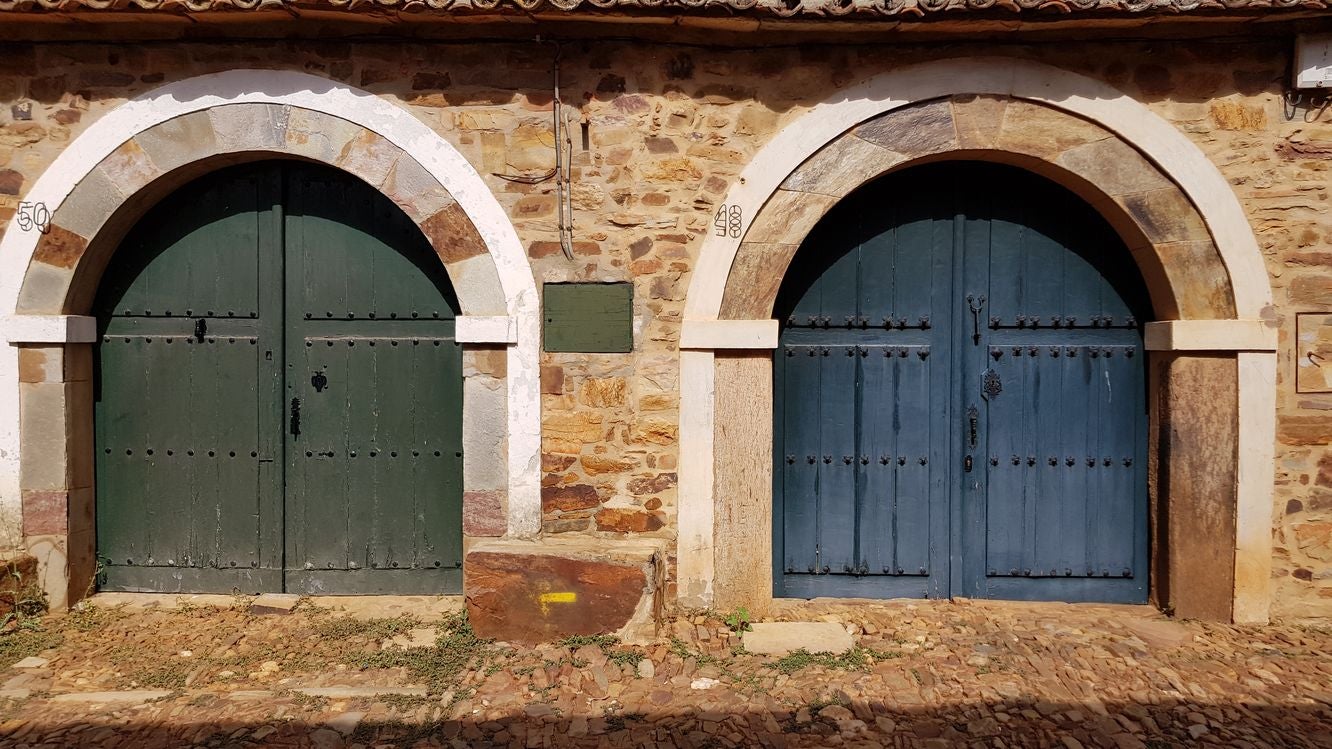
34 216
728 221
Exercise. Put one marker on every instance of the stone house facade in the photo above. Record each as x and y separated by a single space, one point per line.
701 145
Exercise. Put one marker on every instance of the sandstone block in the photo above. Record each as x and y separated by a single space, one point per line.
528 593
569 498
625 520
275 603
913 131
782 638
483 513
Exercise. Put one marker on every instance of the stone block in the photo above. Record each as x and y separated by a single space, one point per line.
452 234
782 638
179 141
317 135
1113 166
538 592
275 603
914 131
31 662
52 573
978 120
416 190
369 156
1041 131
41 363
250 126
483 513
476 281
842 166
569 498
756 276
60 247
89 205
44 289
484 431
123 697
44 459
788 216
129 168
45 513
1165 215
627 520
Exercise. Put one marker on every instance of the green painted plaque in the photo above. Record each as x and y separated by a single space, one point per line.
594 318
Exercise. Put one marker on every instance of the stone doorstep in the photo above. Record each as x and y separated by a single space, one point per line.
583 587
275 603
783 638
353 693
124 696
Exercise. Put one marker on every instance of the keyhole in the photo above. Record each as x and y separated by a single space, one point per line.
319 381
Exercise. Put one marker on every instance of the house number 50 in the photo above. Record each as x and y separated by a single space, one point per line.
728 221
34 216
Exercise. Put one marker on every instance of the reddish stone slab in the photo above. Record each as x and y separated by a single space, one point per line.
526 597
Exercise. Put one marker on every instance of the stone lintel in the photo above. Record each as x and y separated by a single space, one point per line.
486 329
48 329
1210 335
728 334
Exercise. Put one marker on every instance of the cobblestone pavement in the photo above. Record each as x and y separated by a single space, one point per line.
931 674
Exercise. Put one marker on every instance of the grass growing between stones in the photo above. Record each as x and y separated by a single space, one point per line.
456 651
607 643
345 627
24 641
859 658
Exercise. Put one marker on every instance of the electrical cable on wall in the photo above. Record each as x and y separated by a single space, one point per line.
562 172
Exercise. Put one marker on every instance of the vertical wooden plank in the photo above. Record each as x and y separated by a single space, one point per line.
837 446
877 422
801 407
915 432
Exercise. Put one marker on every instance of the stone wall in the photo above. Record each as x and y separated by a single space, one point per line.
658 134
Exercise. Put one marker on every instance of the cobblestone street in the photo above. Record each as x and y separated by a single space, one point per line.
930 674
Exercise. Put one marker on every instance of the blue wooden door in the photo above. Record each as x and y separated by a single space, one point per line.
960 397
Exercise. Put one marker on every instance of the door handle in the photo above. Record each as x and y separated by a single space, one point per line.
973 420
975 304
295 417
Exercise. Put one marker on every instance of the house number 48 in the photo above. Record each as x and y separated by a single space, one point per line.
34 216
728 221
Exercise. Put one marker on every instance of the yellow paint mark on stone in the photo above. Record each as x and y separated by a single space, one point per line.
546 599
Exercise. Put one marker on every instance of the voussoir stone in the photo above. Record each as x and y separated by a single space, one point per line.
782 638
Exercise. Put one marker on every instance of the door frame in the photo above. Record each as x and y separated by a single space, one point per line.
124 162
1211 361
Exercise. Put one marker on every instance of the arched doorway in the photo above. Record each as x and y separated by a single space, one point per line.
960 396
278 393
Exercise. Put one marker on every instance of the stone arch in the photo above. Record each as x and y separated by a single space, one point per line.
1183 268
134 155
85 228
1172 207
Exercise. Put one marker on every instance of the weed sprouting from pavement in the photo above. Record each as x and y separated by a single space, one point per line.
24 641
858 658
607 644
346 627
456 651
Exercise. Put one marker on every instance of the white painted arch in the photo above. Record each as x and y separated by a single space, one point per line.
1172 152
395 124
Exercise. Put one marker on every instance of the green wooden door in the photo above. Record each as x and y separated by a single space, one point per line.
278 396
